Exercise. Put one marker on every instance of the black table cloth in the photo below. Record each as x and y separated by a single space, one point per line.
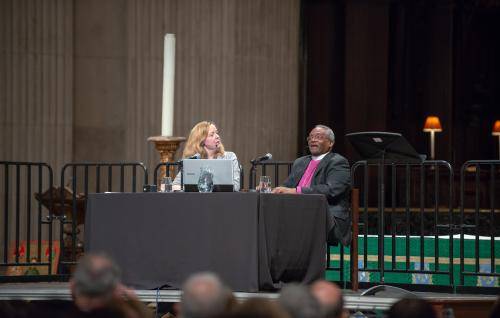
253 241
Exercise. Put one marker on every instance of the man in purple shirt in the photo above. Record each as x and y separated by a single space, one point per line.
324 172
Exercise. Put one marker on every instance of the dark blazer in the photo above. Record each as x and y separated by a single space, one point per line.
332 179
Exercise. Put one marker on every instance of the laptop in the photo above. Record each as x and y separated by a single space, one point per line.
223 174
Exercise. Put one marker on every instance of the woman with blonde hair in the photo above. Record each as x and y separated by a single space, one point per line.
204 140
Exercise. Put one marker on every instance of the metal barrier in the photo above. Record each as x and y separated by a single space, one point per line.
167 169
410 204
88 178
277 166
481 177
26 223
421 209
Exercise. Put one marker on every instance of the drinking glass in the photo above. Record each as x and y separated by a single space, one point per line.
265 184
166 184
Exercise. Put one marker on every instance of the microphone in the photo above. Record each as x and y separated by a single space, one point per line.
195 156
265 157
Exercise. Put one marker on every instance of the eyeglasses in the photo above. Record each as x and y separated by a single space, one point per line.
318 137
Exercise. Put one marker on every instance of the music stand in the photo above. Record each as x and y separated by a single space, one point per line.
376 146
383 147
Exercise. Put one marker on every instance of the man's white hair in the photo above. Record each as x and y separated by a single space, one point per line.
329 132
204 295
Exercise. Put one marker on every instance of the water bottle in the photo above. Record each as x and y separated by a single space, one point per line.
206 180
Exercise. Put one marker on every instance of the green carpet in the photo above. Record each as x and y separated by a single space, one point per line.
429 262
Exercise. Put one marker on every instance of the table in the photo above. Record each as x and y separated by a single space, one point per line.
253 241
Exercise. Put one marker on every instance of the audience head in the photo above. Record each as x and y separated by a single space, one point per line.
330 298
94 281
204 138
204 295
16 309
299 302
259 308
411 308
320 140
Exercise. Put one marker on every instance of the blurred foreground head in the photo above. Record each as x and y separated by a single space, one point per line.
411 308
204 295
330 297
299 302
259 308
94 281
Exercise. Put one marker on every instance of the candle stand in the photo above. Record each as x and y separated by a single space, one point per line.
166 146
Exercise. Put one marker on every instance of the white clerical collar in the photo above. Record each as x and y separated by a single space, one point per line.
319 157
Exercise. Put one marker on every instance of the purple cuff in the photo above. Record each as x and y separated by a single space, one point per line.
298 189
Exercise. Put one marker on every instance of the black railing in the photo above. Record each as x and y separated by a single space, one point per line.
279 169
85 178
485 178
411 203
168 169
25 219
421 204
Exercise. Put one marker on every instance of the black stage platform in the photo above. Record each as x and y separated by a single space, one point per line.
353 301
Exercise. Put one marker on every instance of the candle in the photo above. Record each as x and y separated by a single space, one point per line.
167 114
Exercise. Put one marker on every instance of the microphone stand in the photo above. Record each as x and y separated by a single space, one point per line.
251 185
253 169
181 168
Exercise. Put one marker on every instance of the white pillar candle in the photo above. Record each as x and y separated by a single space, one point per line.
167 113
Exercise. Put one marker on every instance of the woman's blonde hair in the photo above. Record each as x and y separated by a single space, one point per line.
196 139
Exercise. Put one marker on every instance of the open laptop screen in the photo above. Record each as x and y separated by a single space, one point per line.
222 169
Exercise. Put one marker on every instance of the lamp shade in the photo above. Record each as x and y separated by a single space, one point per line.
496 128
432 123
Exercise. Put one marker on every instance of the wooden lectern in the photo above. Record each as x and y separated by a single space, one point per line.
60 203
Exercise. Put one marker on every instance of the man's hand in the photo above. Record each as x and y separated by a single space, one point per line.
284 190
